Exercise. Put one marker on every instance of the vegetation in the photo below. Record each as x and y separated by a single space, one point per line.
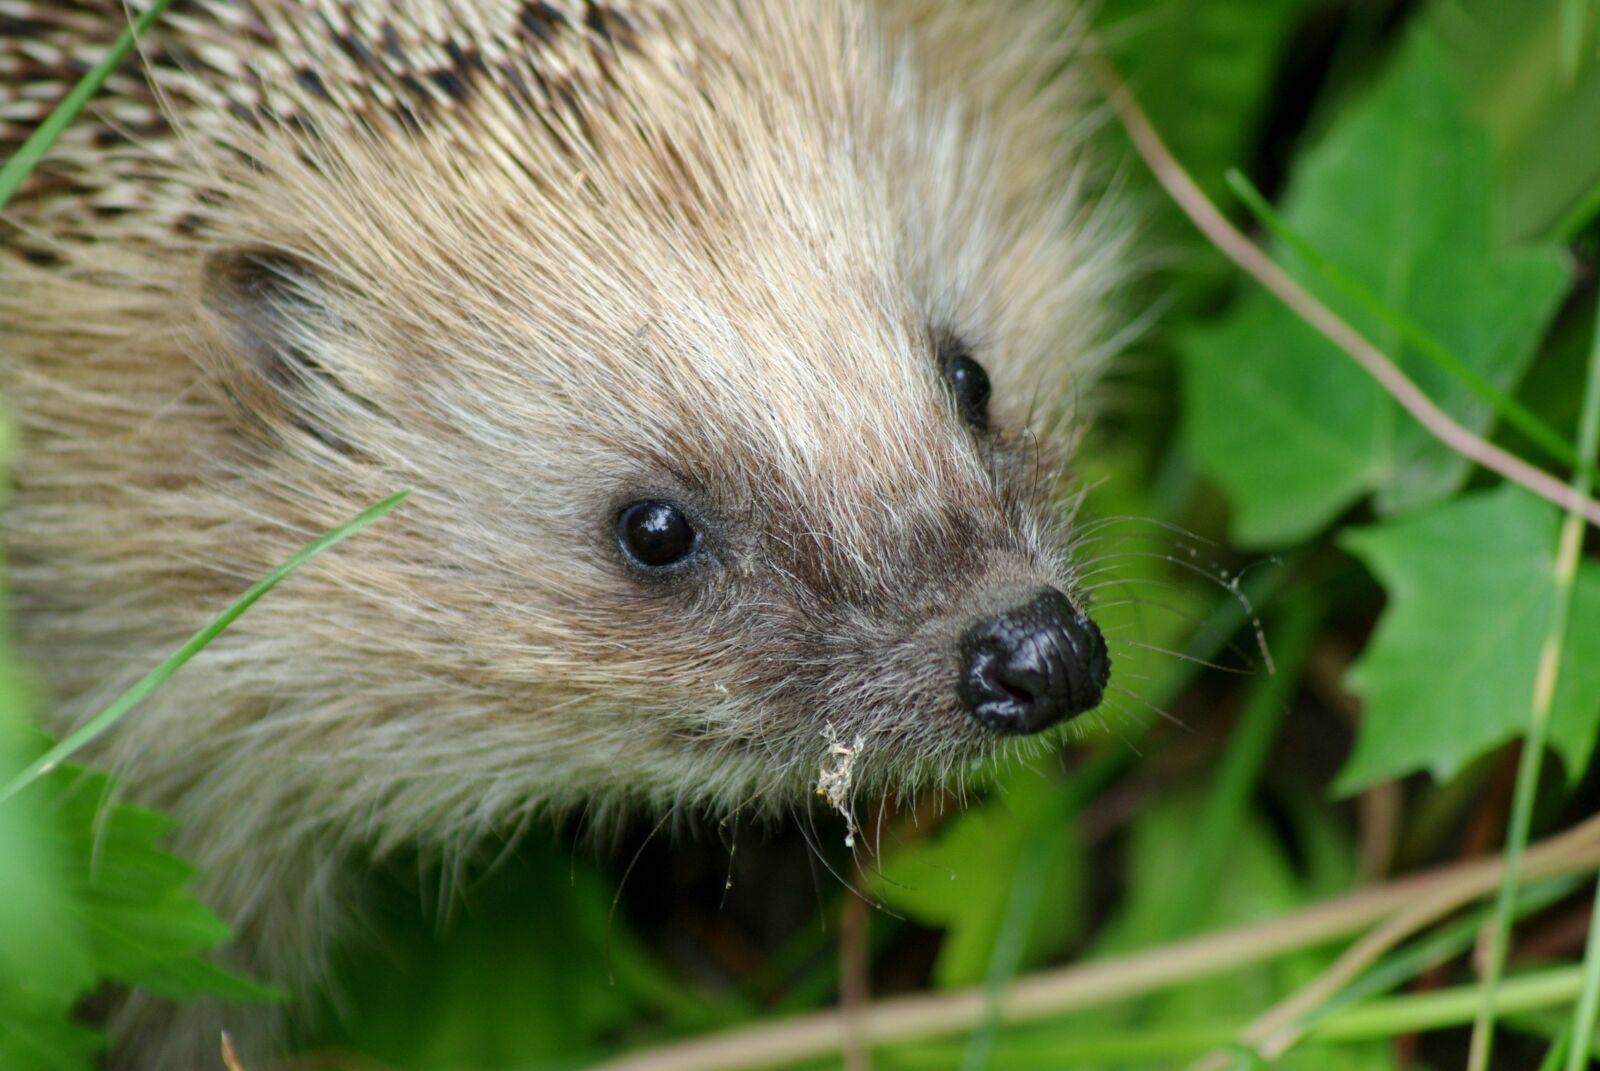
1339 811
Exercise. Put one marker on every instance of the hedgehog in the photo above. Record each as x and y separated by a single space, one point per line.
736 352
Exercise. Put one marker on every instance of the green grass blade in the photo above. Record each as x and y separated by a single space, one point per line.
1447 1007
1569 551
1578 217
1556 1054
1509 409
20 166
152 680
1574 13
1588 1010
1376 1020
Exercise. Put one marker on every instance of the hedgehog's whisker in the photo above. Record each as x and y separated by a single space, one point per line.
1151 707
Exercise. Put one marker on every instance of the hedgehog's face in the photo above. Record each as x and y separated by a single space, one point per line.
762 522
736 419
934 623
856 548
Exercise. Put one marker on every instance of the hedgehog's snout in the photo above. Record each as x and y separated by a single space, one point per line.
1027 668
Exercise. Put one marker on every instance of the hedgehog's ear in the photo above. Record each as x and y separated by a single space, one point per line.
273 316
269 306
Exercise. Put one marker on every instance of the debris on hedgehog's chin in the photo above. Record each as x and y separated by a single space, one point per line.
837 777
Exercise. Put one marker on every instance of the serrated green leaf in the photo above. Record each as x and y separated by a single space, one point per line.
45 959
91 896
37 1033
46 963
129 894
1449 672
1399 196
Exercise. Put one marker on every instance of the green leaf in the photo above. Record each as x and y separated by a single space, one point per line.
960 879
1399 197
1201 70
88 895
37 1033
46 963
127 893
1538 106
1450 670
534 971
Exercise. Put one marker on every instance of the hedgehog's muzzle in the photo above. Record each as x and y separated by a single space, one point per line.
1032 666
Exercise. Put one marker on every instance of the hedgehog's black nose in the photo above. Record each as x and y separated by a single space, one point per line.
1030 667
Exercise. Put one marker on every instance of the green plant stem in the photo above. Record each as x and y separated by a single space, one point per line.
1436 948
1510 410
1380 1019
1556 1054
1588 1009
1569 551
156 677
1449 1007
21 165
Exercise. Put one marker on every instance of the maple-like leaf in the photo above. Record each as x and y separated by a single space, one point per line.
1449 672
1399 196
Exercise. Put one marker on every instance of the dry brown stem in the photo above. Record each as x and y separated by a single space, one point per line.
855 977
1272 1033
1255 263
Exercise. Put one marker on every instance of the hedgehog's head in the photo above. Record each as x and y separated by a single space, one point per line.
736 401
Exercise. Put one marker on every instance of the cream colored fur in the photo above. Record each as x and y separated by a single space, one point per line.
701 249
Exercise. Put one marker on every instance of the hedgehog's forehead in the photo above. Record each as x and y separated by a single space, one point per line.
824 404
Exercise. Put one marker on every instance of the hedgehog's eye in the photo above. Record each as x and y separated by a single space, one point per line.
970 384
655 535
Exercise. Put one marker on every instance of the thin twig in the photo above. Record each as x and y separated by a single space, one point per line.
1249 257
854 977
1087 985
230 1058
